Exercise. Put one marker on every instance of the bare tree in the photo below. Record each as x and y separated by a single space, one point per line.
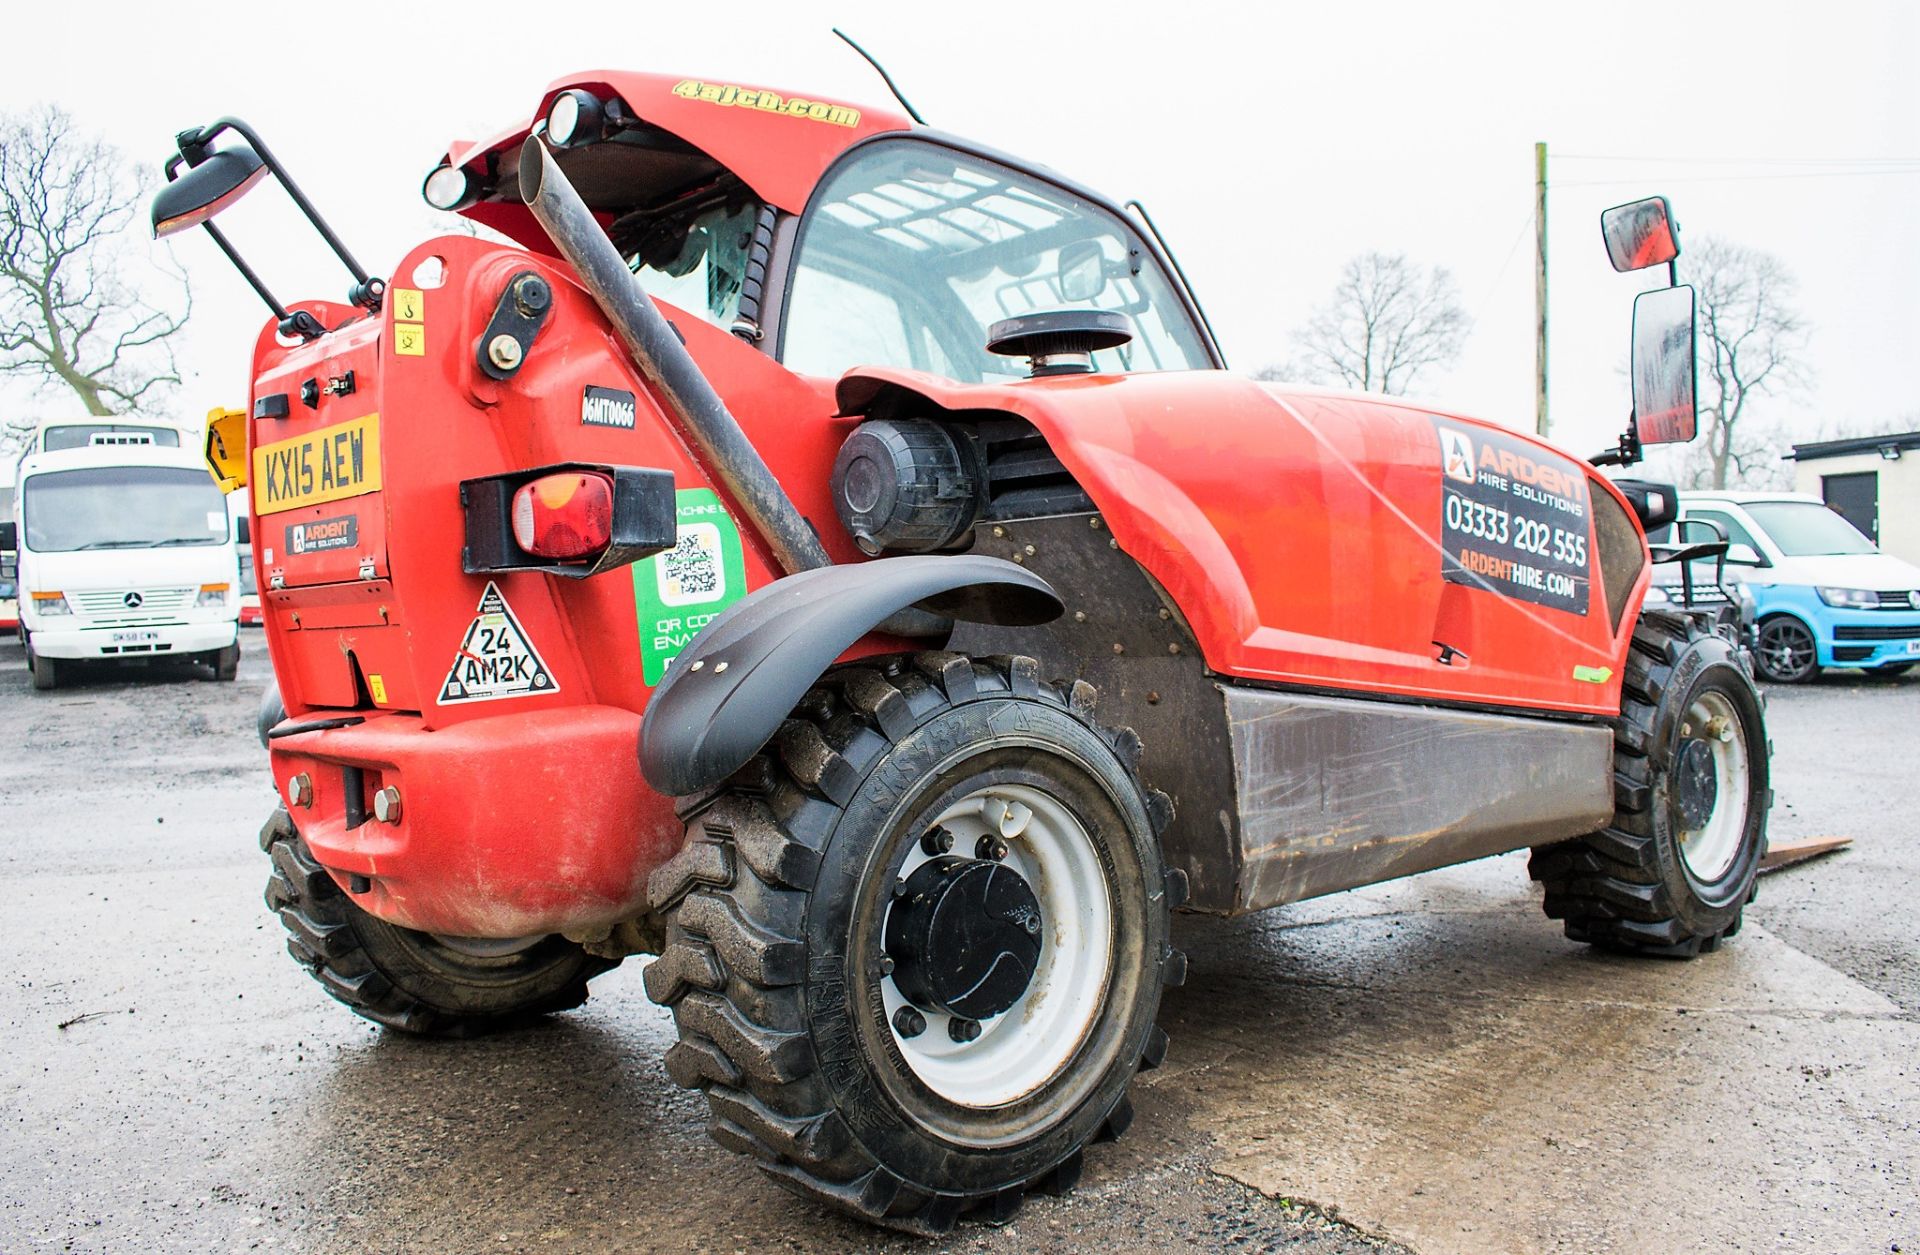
1751 344
1388 321
72 309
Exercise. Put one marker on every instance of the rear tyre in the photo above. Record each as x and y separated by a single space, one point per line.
1673 872
46 672
226 662
914 950
413 981
1786 653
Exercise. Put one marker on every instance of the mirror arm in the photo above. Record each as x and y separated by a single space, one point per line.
368 291
1626 453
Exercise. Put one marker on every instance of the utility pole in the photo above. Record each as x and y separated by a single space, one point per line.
1540 287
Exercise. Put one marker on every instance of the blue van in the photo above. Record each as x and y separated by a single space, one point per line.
1824 596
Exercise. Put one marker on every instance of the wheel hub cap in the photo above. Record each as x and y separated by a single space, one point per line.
1695 782
965 937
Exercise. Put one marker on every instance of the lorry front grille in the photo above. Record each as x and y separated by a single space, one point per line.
109 608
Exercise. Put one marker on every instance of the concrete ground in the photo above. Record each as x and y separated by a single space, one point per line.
1426 1063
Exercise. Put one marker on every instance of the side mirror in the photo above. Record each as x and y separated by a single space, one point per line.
1663 366
1641 234
9 536
1744 555
243 530
1082 271
201 191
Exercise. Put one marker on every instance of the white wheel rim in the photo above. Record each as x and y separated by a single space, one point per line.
1710 849
1029 1044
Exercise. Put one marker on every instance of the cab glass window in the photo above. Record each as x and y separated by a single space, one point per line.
1737 534
1803 529
694 259
911 251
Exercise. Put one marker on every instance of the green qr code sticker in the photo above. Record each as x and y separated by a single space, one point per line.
678 592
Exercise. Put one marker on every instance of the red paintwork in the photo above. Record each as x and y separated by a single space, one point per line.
443 421
1296 531
779 157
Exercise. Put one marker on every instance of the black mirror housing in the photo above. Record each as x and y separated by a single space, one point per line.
1640 234
9 536
1663 366
203 190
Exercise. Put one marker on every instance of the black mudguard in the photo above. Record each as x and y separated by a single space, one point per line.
728 691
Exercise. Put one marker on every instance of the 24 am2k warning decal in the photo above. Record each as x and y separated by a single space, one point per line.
495 658
1513 519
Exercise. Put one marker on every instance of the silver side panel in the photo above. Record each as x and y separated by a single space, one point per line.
1336 792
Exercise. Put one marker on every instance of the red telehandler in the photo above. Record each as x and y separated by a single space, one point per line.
832 557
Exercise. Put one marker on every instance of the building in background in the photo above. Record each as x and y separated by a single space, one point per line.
1873 480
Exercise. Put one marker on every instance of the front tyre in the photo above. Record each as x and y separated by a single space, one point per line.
413 981
46 672
915 949
1673 872
225 662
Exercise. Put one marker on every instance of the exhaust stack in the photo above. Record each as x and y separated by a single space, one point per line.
671 371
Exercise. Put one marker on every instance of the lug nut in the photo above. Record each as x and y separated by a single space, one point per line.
504 351
908 1022
886 965
991 847
386 805
962 1030
300 790
937 841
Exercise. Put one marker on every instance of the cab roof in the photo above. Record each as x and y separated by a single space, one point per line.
1742 496
186 457
776 143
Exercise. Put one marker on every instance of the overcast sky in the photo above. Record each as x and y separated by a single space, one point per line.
1271 141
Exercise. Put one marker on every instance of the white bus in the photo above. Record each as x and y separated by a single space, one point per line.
126 552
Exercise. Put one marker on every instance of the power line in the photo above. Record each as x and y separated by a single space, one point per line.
1743 161
1492 289
1740 178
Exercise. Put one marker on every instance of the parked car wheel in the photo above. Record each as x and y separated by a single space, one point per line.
1786 654
46 672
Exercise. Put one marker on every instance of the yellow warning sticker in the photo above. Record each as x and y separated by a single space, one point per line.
378 687
1592 675
409 305
409 339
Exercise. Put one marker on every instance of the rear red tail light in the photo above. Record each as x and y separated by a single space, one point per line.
566 516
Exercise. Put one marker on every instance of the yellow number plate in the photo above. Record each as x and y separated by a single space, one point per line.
325 465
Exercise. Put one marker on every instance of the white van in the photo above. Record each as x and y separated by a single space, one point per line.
126 551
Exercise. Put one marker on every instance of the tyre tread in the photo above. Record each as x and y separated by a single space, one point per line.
742 1036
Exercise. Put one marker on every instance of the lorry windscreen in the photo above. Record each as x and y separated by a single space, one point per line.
122 507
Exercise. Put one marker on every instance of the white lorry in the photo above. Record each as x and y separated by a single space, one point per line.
126 552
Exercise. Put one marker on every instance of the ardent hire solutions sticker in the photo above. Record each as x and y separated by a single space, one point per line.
678 592
495 658
1513 519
